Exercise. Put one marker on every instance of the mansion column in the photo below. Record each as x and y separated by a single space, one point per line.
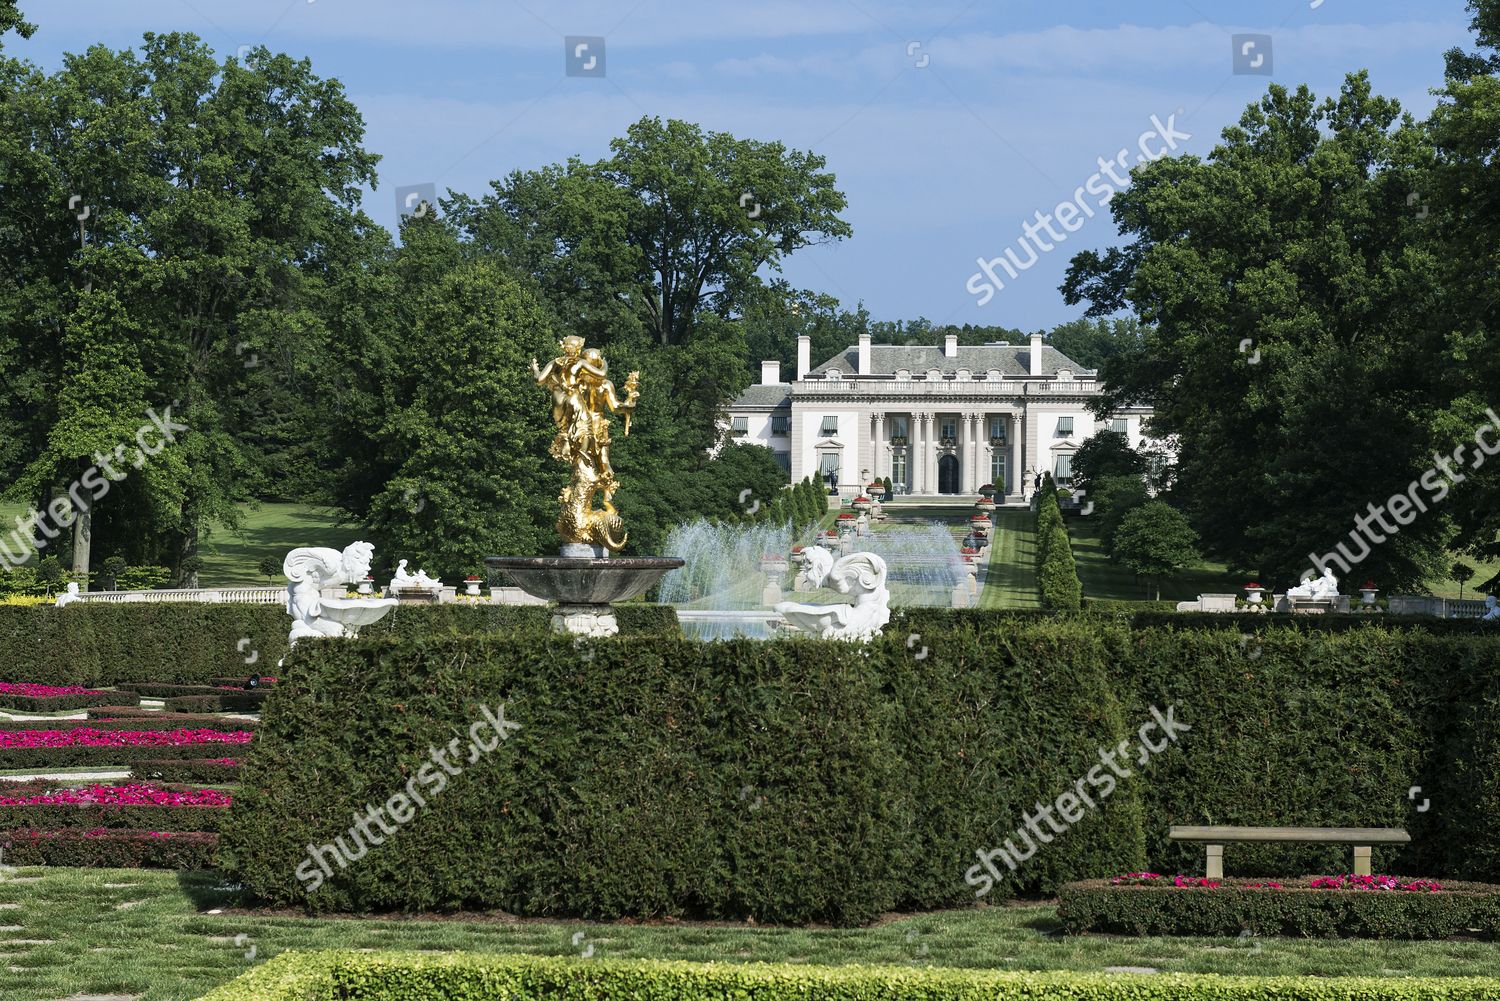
920 443
1015 469
975 452
878 469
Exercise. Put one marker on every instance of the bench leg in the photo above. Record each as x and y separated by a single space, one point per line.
1214 869
1361 860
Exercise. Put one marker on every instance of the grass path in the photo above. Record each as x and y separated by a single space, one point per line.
1010 579
142 932
1105 579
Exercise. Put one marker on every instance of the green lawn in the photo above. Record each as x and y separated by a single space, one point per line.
1010 579
148 933
1104 579
230 556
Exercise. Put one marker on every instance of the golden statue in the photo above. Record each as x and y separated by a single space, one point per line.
582 397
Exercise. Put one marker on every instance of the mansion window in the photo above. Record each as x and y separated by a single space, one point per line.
1120 426
899 429
997 470
781 424
898 469
949 429
1064 427
830 427
997 433
785 460
739 426
1063 473
828 465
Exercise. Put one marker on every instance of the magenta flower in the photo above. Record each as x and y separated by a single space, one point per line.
43 691
90 737
128 795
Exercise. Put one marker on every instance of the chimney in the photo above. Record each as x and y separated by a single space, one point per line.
864 354
1036 354
770 373
804 356
950 346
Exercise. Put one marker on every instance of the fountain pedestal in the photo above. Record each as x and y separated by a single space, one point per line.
584 590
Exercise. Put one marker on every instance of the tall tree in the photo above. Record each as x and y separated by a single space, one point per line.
1286 285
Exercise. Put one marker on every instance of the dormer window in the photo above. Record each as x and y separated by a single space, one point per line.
964 375
833 375
903 375
1064 375
993 375
933 375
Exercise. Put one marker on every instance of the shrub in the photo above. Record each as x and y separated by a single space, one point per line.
386 976
190 642
42 806
1057 573
126 717
220 771
247 701
111 848
67 746
788 781
1237 906
49 698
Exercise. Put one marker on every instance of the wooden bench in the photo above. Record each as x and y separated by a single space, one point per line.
1362 838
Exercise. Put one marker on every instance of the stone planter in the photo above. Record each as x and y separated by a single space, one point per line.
1367 596
1255 595
862 504
471 586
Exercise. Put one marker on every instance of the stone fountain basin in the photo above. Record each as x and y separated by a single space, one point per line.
583 581
355 613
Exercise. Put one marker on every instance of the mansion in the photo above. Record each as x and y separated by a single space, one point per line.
936 420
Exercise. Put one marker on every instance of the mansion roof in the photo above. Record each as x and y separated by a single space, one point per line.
1010 360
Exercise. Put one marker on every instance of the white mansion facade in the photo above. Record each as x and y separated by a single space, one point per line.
936 420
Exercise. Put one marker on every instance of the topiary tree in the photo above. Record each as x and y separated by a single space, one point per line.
109 572
1463 573
1155 541
889 491
269 567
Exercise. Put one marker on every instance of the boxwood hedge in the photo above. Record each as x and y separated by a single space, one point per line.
1459 909
389 976
189 643
110 849
787 781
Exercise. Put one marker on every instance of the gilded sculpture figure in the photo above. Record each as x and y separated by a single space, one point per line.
582 398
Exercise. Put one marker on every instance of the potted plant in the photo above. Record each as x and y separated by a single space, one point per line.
988 491
1367 594
1254 593
862 504
471 585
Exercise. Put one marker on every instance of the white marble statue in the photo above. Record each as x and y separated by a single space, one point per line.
69 596
311 569
860 574
401 580
426 583
1326 586
1491 609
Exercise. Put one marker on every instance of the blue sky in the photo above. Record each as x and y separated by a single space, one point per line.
949 124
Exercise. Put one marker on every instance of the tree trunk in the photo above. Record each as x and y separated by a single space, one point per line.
83 533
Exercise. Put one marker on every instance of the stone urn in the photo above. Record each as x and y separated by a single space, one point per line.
981 522
988 492
366 586
876 488
847 523
862 504
1254 593
774 566
471 585
1367 594
985 505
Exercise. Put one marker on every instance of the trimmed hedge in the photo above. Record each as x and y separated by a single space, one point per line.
90 816
224 702
1056 570
1459 909
55 703
213 771
42 758
135 717
110 849
387 976
788 781
190 642
157 690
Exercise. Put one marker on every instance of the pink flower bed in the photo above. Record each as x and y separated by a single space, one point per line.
43 691
90 737
1378 883
130 795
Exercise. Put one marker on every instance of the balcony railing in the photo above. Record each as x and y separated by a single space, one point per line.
922 388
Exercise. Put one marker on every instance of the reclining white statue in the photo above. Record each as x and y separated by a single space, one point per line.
1326 586
860 574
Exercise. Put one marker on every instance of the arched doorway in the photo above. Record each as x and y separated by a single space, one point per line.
948 474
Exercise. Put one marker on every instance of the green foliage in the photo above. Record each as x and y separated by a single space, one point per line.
187 770
142 578
388 976
1458 910
1105 454
190 642
1155 541
1056 570
1288 290
269 567
776 780
113 849
11 18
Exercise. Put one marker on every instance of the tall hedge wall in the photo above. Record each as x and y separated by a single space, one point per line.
795 781
189 642
788 781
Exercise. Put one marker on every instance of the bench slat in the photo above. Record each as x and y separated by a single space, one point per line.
1311 835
